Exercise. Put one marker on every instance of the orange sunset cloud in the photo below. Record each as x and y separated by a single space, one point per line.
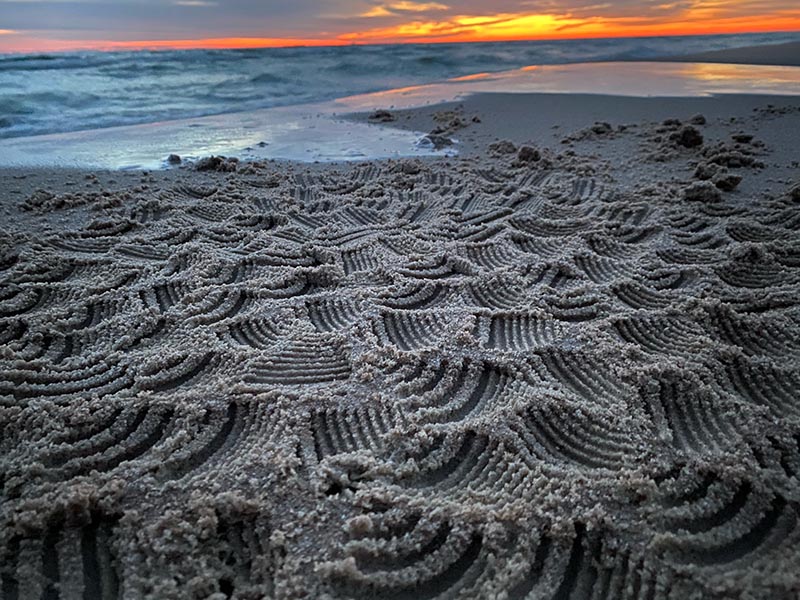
532 27
407 21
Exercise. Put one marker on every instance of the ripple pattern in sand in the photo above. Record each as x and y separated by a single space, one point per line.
365 384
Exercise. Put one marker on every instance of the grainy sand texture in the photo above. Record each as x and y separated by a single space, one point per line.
562 365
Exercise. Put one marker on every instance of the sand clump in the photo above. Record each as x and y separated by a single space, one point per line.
719 176
381 116
447 125
220 164
733 159
688 137
600 130
529 154
502 147
742 138
702 191
42 201
698 119
520 376
727 182
449 121
437 141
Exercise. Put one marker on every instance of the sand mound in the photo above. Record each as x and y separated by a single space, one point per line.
419 381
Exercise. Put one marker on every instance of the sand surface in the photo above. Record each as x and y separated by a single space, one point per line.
787 54
564 365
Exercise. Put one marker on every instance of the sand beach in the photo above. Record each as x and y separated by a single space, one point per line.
563 363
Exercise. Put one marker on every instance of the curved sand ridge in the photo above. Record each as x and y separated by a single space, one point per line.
401 381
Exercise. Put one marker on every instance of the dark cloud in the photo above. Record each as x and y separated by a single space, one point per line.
225 17
163 19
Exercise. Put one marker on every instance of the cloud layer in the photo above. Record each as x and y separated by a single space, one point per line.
49 24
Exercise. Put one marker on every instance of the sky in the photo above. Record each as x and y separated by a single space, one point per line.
50 25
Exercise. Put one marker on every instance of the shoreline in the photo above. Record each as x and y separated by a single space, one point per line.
557 123
324 132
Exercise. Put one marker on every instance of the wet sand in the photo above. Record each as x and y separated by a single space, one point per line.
561 365
787 54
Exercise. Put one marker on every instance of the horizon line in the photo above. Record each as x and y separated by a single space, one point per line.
256 43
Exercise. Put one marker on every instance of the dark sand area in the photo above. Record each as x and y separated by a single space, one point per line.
787 54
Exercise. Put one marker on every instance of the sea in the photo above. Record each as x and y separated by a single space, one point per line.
76 91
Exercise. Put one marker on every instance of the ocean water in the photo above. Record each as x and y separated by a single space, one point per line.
76 91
